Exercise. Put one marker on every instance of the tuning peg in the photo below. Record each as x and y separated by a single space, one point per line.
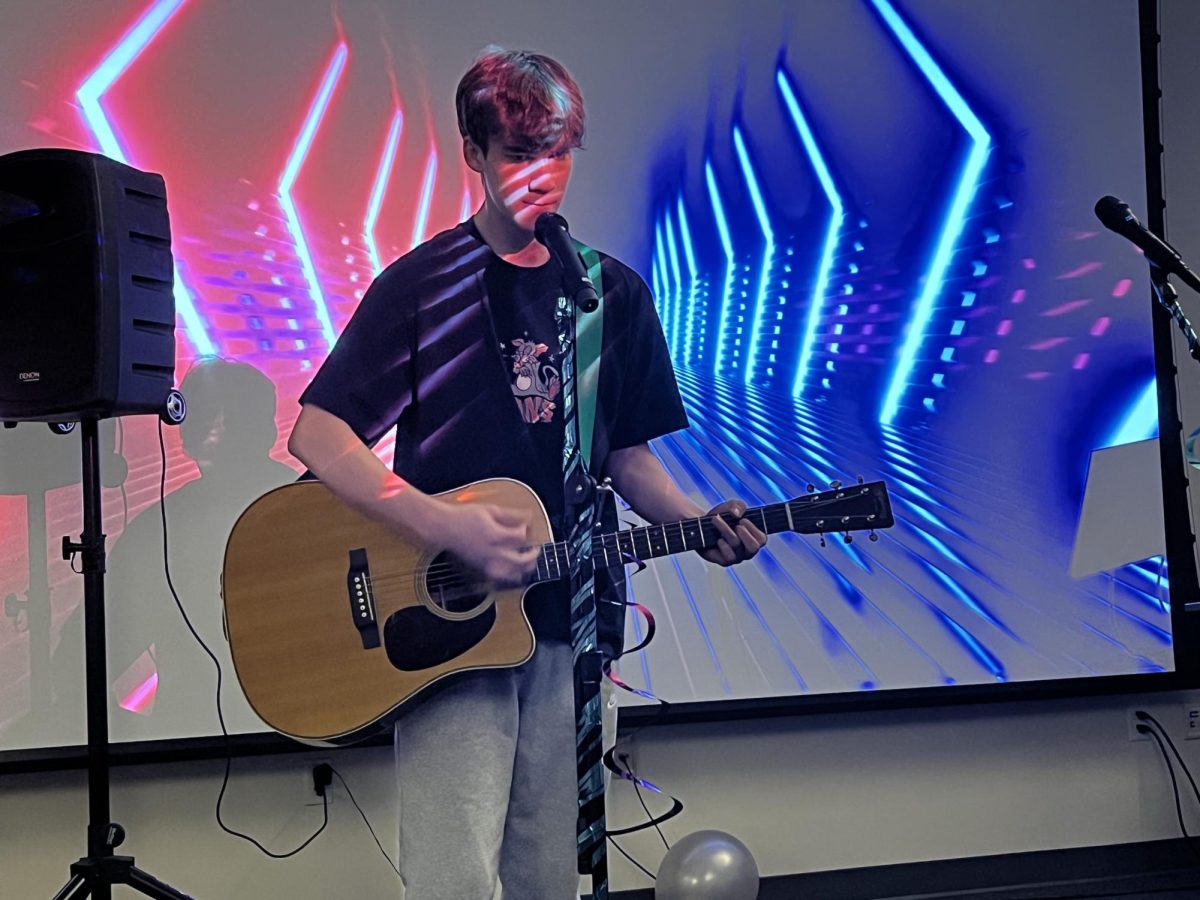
822 540
861 480
810 488
835 484
872 536
847 538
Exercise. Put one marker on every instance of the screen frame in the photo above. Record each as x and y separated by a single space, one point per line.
1181 561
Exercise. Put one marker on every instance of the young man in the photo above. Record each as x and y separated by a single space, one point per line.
456 345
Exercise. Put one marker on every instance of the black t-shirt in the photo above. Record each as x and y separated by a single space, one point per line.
432 350
522 302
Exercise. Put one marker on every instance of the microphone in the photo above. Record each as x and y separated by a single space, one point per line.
1116 216
551 231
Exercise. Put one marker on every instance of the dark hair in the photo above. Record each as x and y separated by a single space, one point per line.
526 99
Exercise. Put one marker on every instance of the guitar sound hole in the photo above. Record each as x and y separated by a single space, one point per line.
453 588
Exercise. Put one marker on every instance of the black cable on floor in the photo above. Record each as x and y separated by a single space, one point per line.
162 505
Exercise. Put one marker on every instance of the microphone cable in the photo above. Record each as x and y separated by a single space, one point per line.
162 505
162 492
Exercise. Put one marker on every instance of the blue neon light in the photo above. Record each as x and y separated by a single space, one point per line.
1141 422
727 245
93 88
968 182
381 179
760 212
316 112
831 234
655 281
689 253
660 256
677 283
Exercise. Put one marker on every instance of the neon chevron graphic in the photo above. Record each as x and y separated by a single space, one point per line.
422 221
381 180
676 281
312 121
956 216
689 254
714 195
660 258
114 65
1140 422
89 94
760 212
655 280
831 235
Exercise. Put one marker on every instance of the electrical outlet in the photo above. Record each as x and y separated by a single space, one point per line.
311 780
1134 722
322 774
1191 722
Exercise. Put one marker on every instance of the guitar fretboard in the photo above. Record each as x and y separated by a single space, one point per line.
651 541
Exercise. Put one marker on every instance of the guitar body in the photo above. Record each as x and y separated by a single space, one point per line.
335 622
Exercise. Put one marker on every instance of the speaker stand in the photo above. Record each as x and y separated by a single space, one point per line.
95 874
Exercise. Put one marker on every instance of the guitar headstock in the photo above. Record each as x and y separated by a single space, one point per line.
842 509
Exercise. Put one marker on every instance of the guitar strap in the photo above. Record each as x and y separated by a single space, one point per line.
580 347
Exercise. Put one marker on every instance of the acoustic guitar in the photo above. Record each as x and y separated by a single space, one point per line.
335 622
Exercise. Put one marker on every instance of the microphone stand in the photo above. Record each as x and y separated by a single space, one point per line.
1168 298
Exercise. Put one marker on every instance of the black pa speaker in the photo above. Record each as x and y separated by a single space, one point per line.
87 310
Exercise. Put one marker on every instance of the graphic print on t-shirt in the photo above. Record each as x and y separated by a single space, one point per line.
535 384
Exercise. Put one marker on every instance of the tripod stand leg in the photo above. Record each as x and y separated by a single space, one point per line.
145 883
72 889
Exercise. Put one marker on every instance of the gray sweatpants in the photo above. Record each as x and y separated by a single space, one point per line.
488 786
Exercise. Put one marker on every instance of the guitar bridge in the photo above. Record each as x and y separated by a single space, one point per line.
362 600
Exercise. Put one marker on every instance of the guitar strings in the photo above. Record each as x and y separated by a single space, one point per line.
609 543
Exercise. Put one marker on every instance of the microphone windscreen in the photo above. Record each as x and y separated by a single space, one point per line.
1113 213
545 224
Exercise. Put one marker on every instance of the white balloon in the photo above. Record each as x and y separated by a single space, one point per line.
707 865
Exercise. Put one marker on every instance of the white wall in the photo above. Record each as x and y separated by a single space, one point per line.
807 794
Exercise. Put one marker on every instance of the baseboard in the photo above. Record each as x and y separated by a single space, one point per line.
1152 867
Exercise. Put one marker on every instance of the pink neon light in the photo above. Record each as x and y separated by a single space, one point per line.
427 185
386 160
1122 287
1081 361
141 698
312 121
991 356
1004 328
1101 326
1069 306
1080 271
1018 295
1048 343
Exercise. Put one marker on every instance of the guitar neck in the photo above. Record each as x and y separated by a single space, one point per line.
651 541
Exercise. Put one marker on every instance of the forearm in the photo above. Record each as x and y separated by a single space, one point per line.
640 478
333 452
